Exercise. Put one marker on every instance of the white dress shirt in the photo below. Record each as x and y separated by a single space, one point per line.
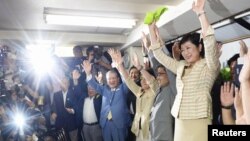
64 96
89 115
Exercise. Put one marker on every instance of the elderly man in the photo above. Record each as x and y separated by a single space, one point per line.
114 117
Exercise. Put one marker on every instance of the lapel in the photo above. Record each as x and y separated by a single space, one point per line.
158 93
61 96
196 68
180 71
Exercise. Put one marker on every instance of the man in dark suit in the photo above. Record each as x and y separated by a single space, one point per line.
79 87
64 110
91 109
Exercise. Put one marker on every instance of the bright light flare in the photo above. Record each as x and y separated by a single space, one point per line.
19 120
40 58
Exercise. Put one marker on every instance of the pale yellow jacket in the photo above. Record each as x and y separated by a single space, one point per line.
193 100
144 103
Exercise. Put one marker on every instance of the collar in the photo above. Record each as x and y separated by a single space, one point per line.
200 62
64 93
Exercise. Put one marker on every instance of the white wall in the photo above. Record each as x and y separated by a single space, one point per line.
229 49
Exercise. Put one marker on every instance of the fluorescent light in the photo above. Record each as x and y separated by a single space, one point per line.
222 23
89 21
242 15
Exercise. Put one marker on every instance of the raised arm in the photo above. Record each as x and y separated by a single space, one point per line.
227 100
240 117
90 79
149 78
117 58
198 8
245 86
211 53
156 47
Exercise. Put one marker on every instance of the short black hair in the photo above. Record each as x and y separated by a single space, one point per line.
89 49
132 67
233 58
195 39
161 66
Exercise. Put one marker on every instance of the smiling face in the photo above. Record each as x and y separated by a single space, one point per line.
144 84
112 79
91 91
190 52
134 74
162 77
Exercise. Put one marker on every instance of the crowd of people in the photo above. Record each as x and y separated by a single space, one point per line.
168 98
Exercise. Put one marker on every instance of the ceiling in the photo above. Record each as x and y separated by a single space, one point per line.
22 21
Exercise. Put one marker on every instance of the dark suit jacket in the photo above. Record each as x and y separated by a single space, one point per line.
81 92
64 119
97 105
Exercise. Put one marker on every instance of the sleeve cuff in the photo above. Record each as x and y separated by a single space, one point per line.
210 31
155 46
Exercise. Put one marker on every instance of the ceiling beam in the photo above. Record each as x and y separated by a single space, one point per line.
243 23
168 16
61 37
180 20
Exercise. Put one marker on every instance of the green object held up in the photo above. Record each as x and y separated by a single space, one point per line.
154 16
159 12
149 18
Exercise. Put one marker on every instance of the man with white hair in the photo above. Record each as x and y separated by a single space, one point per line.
114 117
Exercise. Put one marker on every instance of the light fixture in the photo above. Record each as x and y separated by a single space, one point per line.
89 21
222 23
242 15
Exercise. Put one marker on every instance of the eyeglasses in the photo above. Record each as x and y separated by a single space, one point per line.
161 73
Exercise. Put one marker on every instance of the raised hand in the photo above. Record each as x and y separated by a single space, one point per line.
240 118
152 32
99 77
87 66
119 59
198 6
245 71
226 94
145 44
116 56
243 48
111 52
75 74
136 62
176 52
